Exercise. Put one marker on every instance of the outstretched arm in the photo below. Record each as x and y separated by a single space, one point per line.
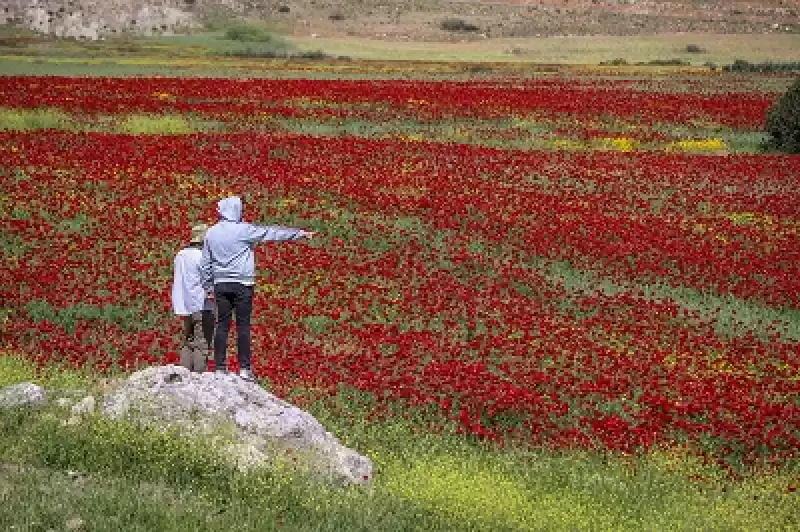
268 233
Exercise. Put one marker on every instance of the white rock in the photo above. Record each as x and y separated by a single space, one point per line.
263 425
22 394
83 407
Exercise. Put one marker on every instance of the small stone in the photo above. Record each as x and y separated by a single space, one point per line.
85 406
74 420
76 523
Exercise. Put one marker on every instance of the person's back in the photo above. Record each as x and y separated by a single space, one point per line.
230 243
189 301
228 270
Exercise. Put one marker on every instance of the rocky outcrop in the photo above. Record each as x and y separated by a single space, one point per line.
420 20
248 426
254 428
93 19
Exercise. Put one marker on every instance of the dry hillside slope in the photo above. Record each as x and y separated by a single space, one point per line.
414 20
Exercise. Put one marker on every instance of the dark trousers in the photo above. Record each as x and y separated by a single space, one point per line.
233 298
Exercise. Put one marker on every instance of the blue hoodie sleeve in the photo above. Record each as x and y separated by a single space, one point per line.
267 233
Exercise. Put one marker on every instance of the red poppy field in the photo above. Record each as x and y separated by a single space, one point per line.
562 296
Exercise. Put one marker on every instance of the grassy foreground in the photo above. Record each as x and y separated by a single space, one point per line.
109 476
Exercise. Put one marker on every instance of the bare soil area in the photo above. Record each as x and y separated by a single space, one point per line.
422 20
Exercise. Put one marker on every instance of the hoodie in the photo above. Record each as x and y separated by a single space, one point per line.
228 249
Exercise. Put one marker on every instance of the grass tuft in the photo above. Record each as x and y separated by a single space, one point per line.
29 119
155 125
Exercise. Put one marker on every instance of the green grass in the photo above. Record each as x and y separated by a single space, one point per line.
110 475
14 369
133 124
229 38
30 119
125 317
155 125
203 54
587 50
731 316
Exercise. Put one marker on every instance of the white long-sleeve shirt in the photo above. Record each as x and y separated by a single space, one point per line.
188 295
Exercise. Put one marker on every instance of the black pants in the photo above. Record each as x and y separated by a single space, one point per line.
233 298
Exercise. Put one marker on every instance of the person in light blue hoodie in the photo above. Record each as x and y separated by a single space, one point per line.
228 273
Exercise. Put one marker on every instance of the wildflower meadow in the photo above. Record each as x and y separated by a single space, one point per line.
570 263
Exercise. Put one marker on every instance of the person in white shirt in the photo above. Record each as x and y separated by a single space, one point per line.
191 301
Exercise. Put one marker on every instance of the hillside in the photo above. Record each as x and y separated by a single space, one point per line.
412 20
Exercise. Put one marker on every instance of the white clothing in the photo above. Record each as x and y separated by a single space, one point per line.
188 295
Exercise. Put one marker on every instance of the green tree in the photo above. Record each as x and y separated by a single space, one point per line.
783 120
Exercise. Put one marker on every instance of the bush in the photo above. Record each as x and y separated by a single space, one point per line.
783 120
694 49
457 24
614 62
246 33
740 65
664 62
285 54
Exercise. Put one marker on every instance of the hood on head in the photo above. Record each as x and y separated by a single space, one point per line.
230 208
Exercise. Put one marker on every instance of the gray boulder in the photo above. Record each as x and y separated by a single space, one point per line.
22 394
261 429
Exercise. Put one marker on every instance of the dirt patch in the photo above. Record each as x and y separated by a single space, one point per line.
421 20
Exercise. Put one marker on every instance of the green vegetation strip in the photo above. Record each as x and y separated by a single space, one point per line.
134 124
498 133
731 316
